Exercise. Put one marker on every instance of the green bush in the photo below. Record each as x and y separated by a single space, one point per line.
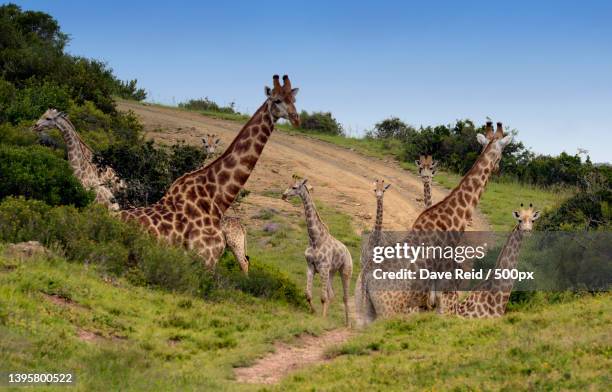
93 236
322 122
149 170
208 105
17 135
32 58
590 209
35 172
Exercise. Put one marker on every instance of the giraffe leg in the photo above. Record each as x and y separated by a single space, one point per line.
309 278
346 282
330 286
324 288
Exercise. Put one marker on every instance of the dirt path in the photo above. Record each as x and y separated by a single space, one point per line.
341 178
288 358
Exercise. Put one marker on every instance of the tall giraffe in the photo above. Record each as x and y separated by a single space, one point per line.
325 254
427 168
190 212
104 181
489 298
449 215
365 310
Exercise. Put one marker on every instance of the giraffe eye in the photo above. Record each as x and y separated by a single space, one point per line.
277 101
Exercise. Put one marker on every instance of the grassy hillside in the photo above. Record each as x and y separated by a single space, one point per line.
60 316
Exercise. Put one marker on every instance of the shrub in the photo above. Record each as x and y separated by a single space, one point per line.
93 236
149 170
35 172
32 56
208 105
322 122
587 210
392 128
17 135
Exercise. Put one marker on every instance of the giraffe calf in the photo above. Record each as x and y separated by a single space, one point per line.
325 254
235 239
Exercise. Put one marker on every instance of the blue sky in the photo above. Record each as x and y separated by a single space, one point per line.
542 67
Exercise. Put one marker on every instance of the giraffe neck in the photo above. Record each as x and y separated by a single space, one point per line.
79 154
377 232
508 257
454 212
316 228
214 186
427 193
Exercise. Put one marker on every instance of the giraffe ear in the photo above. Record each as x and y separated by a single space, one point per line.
505 141
516 215
387 186
417 163
536 215
482 139
304 181
294 92
268 91
217 141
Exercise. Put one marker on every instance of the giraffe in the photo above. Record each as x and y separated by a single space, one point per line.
489 298
211 143
104 181
427 168
455 211
191 211
325 254
362 302
449 215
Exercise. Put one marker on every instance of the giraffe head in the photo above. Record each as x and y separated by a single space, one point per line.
48 120
494 142
380 188
211 143
298 188
526 217
282 100
427 167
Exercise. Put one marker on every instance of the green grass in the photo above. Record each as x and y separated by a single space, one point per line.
145 339
557 347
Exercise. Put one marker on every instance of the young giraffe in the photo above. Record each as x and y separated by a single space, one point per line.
211 143
80 157
233 231
427 168
190 212
449 215
325 254
489 298
365 309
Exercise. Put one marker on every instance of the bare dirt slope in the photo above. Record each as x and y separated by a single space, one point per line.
342 178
